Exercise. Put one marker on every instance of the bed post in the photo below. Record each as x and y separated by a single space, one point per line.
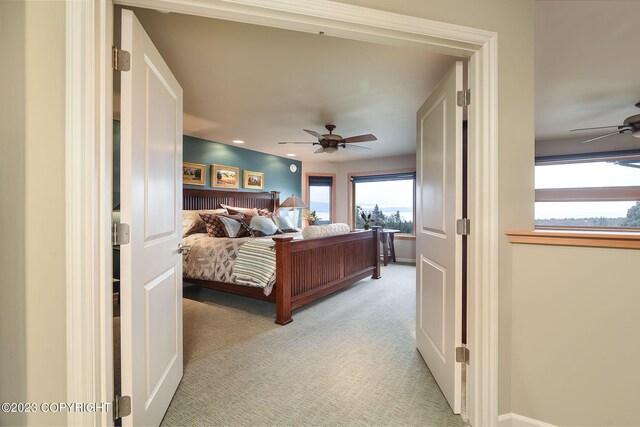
283 279
376 252
275 197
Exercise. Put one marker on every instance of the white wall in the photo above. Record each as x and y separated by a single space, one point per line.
405 249
32 261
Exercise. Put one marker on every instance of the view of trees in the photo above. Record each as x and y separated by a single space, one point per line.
390 221
631 220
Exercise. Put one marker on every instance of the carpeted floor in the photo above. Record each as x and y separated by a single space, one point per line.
349 359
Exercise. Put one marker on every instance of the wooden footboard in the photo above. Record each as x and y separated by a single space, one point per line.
308 270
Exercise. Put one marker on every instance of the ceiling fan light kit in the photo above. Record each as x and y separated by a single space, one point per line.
631 124
330 142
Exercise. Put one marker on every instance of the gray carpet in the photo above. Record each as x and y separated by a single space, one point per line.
349 359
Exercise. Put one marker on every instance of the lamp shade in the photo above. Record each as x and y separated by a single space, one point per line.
293 202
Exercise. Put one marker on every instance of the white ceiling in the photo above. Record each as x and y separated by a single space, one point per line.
587 69
264 85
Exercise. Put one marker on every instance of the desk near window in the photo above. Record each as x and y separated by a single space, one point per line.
388 246
387 238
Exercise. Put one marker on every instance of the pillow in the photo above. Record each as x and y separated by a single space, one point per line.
284 223
263 226
222 225
192 223
266 212
314 231
235 227
244 211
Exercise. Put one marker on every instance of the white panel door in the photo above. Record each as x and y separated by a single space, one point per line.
439 248
151 203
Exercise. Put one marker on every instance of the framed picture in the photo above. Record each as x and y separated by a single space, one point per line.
193 173
253 180
225 176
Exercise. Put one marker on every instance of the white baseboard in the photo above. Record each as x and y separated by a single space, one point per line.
406 260
515 420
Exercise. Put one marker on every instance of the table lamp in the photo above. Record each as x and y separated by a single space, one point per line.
294 203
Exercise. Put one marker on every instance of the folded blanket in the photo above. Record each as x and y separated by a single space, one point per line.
256 263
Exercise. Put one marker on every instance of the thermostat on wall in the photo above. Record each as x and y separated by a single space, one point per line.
293 168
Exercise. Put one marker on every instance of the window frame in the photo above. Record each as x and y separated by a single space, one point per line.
307 194
588 194
351 198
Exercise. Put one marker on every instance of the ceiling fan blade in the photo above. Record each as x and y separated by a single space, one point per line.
602 136
314 133
356 148
599 127
360 138
309 143
319 151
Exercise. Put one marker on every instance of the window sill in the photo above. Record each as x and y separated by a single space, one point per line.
594 239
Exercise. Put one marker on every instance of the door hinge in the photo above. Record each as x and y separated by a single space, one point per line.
119 234
120 59
463 227
462 355
121 407
464 98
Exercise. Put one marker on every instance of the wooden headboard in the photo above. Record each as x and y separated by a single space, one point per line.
196 199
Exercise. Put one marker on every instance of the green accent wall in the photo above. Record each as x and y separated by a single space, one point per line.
277 175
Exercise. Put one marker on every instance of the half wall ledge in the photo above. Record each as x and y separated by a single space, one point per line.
594 239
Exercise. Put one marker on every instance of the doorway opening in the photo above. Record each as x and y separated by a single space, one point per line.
482 40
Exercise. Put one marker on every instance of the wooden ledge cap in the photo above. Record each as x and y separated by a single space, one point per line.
594 239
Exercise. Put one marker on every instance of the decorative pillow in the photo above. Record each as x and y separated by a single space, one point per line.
192 223
266 212
263 226
284 223
235 227
244 211
314 231
217 227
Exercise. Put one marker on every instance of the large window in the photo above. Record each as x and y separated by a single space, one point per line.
390 198
321 198
588 191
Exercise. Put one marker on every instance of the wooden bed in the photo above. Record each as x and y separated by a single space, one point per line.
306 270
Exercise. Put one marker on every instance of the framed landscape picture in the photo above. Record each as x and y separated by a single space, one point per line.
253 180
193 173
225 176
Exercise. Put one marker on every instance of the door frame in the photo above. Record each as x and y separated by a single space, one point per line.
88 166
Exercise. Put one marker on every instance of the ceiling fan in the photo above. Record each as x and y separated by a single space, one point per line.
330 142
630 124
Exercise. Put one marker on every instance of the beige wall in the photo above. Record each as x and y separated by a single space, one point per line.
13 366
513 21
405 249
575 335
33 327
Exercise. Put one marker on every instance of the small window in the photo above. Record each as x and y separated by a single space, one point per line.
320 194
597 192
390 198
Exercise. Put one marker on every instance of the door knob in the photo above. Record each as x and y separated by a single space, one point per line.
182 249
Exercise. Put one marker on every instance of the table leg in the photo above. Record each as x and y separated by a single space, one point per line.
385 248
393 247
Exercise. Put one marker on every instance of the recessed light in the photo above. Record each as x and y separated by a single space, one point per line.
238 141
291 155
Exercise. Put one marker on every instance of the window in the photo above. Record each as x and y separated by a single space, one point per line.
320 195
390 198
588 191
